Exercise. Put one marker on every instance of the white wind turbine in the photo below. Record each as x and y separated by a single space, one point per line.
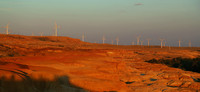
112 42
179 43
41 33
161 43
138 40
148 42
190 44
83 37
141 42
7 28
169 47
32 34
103 39
133 43
56 29
164 43
117 40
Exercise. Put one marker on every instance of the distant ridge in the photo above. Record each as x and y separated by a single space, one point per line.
17 45
20 45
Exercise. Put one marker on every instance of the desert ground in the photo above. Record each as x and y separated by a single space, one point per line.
95 67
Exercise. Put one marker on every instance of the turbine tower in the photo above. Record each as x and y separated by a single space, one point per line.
83 37
169 47
133 43
41 33
56 28
190 44
103 39
117 40
32 34
148 41
161 43
138 40
164 43
141 42
7 26
112 42
179 43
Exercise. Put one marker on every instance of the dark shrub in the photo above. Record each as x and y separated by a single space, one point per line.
182 63
45 39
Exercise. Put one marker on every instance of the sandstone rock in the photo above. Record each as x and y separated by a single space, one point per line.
195 85
92 84
186 84
185 78
174 83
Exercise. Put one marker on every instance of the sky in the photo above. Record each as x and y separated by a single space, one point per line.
171 20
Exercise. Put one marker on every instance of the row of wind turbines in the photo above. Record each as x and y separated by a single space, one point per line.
139 42
103 40
56 26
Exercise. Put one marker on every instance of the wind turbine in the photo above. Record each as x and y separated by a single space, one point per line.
7 27
148 41
103 39
138 40
32 34
133 43
56 29
117 40
179 43
164 43
112 42
190 44
161 43
83 37
141 42
41 33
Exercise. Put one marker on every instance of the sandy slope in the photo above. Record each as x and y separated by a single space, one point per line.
97 67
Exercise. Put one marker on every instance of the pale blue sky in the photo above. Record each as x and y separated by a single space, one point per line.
168 19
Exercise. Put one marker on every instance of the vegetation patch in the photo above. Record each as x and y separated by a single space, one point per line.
15 37
22 66
45 39
61 46
129 82
3 63
152 79
12 54
142 74
187 64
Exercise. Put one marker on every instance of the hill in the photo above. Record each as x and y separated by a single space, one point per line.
93 67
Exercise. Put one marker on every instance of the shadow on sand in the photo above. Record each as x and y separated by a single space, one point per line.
29 84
